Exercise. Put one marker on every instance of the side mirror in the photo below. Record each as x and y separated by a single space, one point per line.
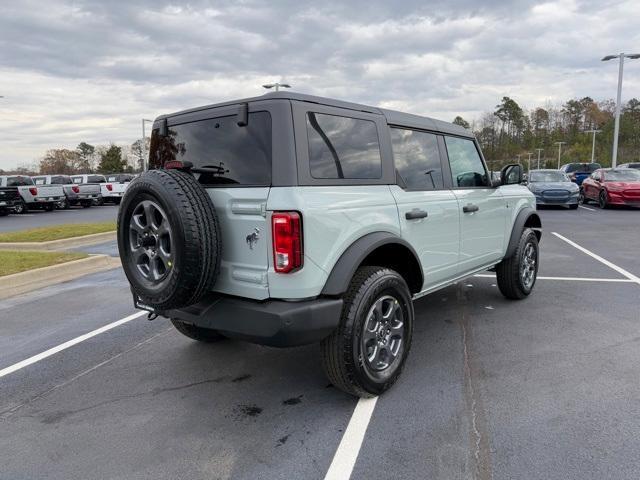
511 174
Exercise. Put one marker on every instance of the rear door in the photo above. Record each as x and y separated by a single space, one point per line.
427 208
483 209
234 165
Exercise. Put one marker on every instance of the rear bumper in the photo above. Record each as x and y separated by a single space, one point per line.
277 323
9 204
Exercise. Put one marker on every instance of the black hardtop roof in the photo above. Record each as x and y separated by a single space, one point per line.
393 117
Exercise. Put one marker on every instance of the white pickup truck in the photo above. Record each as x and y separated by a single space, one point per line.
111 192
84 195
43 197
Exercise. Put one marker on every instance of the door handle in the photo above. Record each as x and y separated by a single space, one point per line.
416 214
470 207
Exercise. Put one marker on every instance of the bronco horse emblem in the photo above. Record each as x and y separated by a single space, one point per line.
253 238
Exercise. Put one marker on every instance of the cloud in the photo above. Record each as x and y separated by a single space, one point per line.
90 70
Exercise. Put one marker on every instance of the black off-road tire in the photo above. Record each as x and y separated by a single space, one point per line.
197 333
509 271
195 242
342 352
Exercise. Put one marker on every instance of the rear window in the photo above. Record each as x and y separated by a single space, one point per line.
224 152
19 181
39 180
60 180
343 147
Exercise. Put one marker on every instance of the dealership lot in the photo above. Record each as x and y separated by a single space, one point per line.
40 218
543 388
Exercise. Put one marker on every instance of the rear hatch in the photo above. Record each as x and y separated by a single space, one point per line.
233 164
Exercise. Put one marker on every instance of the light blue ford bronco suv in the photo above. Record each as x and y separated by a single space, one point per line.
289 219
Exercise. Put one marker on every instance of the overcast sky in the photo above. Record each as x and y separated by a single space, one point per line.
90 70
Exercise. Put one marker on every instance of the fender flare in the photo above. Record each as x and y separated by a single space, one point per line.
522 218
338 281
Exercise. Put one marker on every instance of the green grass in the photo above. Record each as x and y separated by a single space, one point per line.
57 232
12 261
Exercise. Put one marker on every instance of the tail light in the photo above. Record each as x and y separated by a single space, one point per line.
33 191
109 187
75 189
287 241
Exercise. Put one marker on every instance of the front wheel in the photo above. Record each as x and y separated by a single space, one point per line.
365 355
573 206
517 274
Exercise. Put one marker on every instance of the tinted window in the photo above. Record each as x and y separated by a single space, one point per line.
467 168
581 167
417 159
342 147
96 179
60 180
19 181
232 154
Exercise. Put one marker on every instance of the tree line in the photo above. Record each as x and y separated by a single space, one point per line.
87 158
510 132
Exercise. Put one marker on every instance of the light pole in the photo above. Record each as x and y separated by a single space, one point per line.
539 150
529 160
145 159
593 145
560 151
621 56
276 85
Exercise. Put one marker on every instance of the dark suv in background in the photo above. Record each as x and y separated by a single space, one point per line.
577 172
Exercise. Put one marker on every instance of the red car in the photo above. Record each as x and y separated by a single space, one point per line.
613 186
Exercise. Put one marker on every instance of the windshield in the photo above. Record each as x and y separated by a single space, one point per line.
622 176
548 177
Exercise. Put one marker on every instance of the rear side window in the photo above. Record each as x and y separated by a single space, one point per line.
343 147
227 153
467 169
417 159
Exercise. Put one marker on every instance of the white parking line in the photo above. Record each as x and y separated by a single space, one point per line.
587 208
569 279
613 266
52 351
347 452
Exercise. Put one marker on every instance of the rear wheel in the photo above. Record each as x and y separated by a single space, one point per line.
602 199
365 355
197 333
20 208
517 274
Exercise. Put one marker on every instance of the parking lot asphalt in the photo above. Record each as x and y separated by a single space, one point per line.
542 388
40 218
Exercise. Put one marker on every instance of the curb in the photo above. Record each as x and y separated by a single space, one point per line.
62 244
23 282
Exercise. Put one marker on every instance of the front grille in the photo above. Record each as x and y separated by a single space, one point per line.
555 194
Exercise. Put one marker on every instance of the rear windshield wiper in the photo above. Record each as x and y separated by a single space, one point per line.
217 169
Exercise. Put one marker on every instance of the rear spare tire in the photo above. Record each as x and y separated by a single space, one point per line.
169 239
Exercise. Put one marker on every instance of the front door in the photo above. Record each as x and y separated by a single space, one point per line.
483 209
428 212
